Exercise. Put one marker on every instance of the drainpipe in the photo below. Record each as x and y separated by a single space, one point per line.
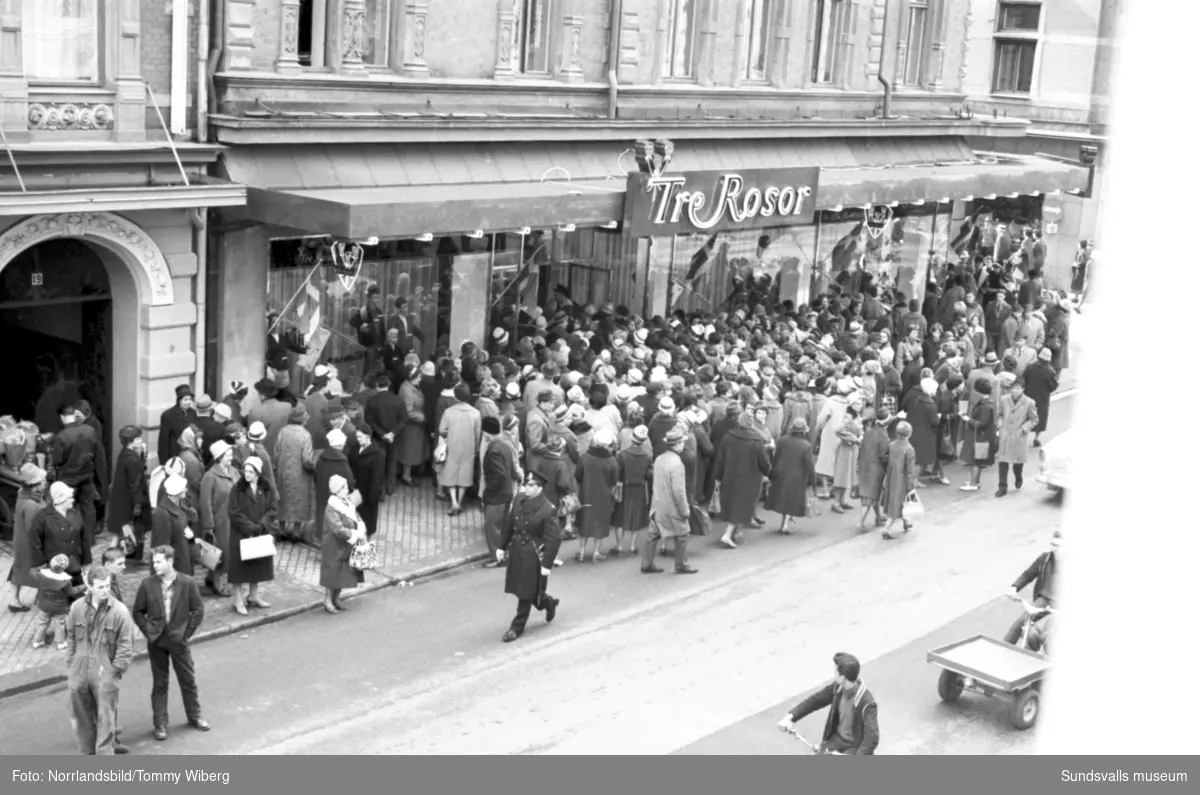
887 84
614 55
179 66
202 36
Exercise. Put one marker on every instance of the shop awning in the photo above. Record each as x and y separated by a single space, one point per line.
907 184
413 210
207 193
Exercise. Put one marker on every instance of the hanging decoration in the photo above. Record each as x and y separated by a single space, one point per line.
877 220
347 260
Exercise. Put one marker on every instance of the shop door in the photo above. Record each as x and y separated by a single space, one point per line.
56 325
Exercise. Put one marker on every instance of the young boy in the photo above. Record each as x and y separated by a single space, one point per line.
53 602
113 560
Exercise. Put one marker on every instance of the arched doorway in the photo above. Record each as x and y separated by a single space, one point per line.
56 321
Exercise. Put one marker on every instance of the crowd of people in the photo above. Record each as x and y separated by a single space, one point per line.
640 433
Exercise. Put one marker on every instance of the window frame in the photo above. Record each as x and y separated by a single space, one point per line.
666 59
767 17
1006 37
103 69
921 51
832 57
521 13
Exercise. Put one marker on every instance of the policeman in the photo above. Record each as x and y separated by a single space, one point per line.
99 651
530 539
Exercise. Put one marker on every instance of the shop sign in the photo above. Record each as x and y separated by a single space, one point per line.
713 201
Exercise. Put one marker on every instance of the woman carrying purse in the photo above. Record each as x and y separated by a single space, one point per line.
253 507
979 449
343 531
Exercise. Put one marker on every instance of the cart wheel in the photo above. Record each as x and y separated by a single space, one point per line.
950 686
6 520
1025 709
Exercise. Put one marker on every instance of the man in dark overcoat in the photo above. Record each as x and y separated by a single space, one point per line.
386 416
531 538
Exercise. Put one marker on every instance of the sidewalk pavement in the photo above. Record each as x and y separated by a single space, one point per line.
416 538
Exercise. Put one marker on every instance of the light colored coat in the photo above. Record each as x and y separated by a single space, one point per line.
828 423
1018 418
461 425
215 486
295 459
669 507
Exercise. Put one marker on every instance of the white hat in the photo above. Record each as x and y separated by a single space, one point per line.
222 411
175 485
604 438
666 405
624 392
60 492
219 448
258 432
337 483
253 461
512 389
634 376
320 371
336 438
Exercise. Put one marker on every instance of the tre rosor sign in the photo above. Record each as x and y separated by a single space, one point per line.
713 201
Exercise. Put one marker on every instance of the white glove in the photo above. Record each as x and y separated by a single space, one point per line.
188 534
545 572
786 724
499 555
1012 593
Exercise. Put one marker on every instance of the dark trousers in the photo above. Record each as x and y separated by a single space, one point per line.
524 607
1018 474
836 744
369 511
85 500
391 454
494 517
650 546
164 653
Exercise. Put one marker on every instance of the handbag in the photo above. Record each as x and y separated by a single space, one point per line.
913 507
210 554
569 504
982 450
698 521
364 556
714 505
439 453
257 547
618 491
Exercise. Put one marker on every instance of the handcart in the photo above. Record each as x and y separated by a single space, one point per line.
994 669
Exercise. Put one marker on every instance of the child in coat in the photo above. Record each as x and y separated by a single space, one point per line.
53 602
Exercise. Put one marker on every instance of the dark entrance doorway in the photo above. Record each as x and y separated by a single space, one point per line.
56 333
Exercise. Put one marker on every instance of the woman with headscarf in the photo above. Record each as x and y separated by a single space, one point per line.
792 475
31 500
461 429
597 474
345 530
369 465
922 416
901 479
414 436
295 462
252 513
828 424
979 436
742 465
215 487
173 521
872 466
845 468
331 461
1040 382
635 469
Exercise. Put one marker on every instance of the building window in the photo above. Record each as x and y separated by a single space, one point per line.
60 40
914 53
533 35
378 29
679 54
1018 27
758 32
832 20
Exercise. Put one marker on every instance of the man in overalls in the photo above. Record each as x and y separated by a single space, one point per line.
99 651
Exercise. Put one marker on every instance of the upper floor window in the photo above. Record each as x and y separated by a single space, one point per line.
377 29
315 32
832 22
60 40
914 53
679 54
758 32
1017 38
533 35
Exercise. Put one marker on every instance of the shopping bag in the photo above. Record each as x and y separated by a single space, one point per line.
618 492
364 556
982 451
439 453
698 521
209 554
257 547
913 507
714 505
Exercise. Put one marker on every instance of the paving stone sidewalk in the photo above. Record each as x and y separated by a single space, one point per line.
415 538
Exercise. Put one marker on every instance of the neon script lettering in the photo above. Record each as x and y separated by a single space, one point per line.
670 201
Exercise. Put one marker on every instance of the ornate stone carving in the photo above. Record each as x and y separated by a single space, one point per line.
505 43
290 44
966 45
354 20
108 228
60 116
419 38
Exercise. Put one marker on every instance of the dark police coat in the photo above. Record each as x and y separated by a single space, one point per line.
531 538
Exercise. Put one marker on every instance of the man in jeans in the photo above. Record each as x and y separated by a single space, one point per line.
500 473
168 610
99 651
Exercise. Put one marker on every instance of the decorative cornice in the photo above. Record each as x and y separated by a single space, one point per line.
69 116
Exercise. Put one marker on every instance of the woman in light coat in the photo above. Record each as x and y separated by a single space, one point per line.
414 436
1018 418
215 486
295 461
901 478
461 427
845 474
343 530
828 423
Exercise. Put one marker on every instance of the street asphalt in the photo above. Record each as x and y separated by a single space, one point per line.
633 664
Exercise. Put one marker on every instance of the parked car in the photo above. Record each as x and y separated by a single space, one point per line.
1056 456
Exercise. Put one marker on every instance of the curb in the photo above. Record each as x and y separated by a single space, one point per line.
47 675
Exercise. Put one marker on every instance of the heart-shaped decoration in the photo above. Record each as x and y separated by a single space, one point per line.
877 220
347 262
